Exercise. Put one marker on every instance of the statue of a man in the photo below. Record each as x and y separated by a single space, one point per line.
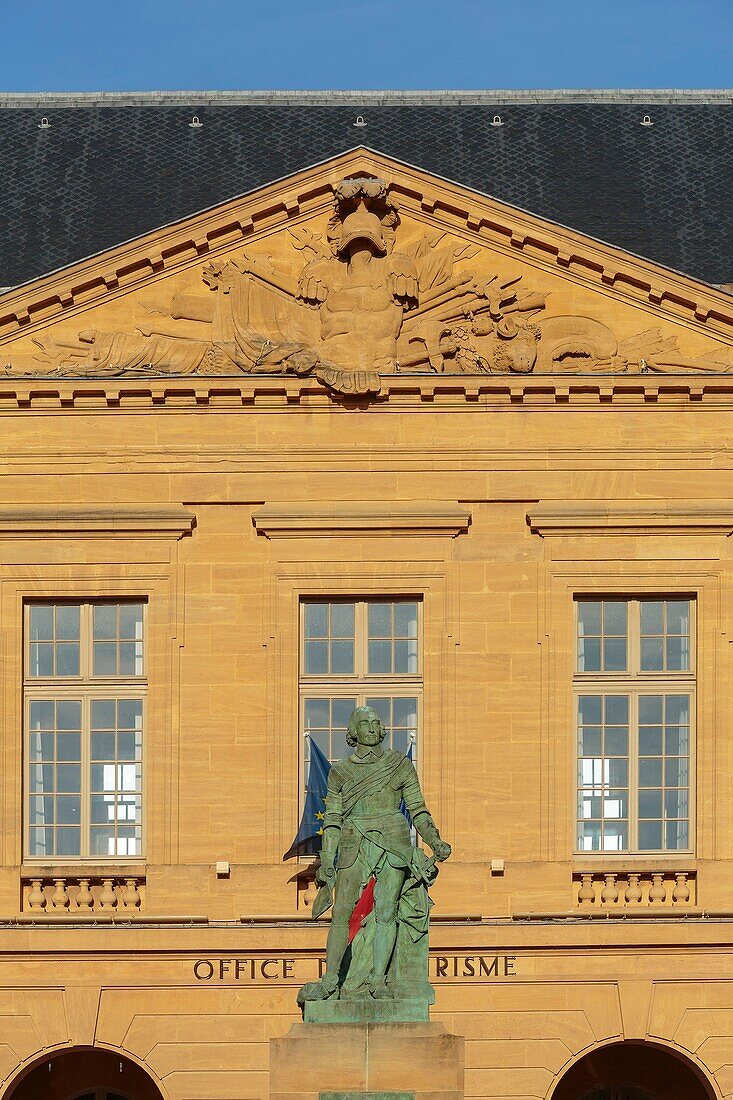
361 294
367 836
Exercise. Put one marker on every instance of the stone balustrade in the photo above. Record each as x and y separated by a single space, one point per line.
93 894
623 889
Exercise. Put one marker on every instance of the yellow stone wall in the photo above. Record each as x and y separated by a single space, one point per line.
494 498
610 487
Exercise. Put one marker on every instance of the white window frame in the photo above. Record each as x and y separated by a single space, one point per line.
86 688
360 685
635 683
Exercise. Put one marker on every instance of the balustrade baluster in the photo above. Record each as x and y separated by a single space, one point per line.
36 897
681 891
107 896
658 891
609 893
633 893
60 898
132 894
84 897
587 893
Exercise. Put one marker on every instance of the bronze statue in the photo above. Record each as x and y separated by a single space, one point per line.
367 836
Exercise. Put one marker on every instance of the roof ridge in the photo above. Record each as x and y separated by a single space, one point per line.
364 98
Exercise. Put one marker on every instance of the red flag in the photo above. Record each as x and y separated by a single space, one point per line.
362 909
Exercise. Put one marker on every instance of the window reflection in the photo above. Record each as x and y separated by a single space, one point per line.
359 653
634 745
84 753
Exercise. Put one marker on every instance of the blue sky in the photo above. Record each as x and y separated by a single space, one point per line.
108 45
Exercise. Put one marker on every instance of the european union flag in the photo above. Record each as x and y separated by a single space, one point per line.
310 832
403 807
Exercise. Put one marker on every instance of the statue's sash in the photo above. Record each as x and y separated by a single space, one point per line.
378 776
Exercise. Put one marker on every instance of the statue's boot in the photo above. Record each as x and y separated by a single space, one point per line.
318 991
378 989
338 940
384 941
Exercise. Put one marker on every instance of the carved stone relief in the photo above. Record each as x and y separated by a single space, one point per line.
353 304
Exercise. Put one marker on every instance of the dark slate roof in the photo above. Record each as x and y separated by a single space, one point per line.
112 167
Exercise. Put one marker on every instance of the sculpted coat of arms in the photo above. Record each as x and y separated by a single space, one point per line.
354 305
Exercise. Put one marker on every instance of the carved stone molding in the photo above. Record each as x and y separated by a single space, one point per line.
617 887
426 391
358 518
84 892
355 273
646 517
142 521
347 305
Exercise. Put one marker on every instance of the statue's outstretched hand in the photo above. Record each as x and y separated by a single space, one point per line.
441 850
326 873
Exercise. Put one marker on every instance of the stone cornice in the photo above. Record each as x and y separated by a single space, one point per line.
358 518
431 391
536 933
644 517
70 521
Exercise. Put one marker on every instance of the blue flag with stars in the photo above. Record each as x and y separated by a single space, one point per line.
403 807
310 831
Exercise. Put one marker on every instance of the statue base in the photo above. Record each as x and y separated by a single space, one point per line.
367 1061
366 1010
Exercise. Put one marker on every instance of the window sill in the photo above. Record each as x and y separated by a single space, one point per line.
628 861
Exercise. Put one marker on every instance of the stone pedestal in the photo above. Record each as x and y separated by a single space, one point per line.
367 1061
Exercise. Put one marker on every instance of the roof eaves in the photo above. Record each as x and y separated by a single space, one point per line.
367 98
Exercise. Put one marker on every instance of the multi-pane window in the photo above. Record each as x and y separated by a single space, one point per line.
85 687
635 696
359 653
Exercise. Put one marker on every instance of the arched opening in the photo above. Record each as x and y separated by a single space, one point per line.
85 1075
632 1071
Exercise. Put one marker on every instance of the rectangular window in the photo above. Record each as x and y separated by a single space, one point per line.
85 688
359 653
635 700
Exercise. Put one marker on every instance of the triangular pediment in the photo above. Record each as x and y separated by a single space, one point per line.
355 269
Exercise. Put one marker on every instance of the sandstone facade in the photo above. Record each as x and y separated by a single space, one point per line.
495 500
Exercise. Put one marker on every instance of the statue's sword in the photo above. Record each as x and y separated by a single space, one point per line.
423 868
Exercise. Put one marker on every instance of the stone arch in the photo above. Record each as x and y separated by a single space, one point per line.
634 1070
75 1073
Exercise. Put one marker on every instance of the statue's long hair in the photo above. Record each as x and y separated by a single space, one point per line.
356 714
